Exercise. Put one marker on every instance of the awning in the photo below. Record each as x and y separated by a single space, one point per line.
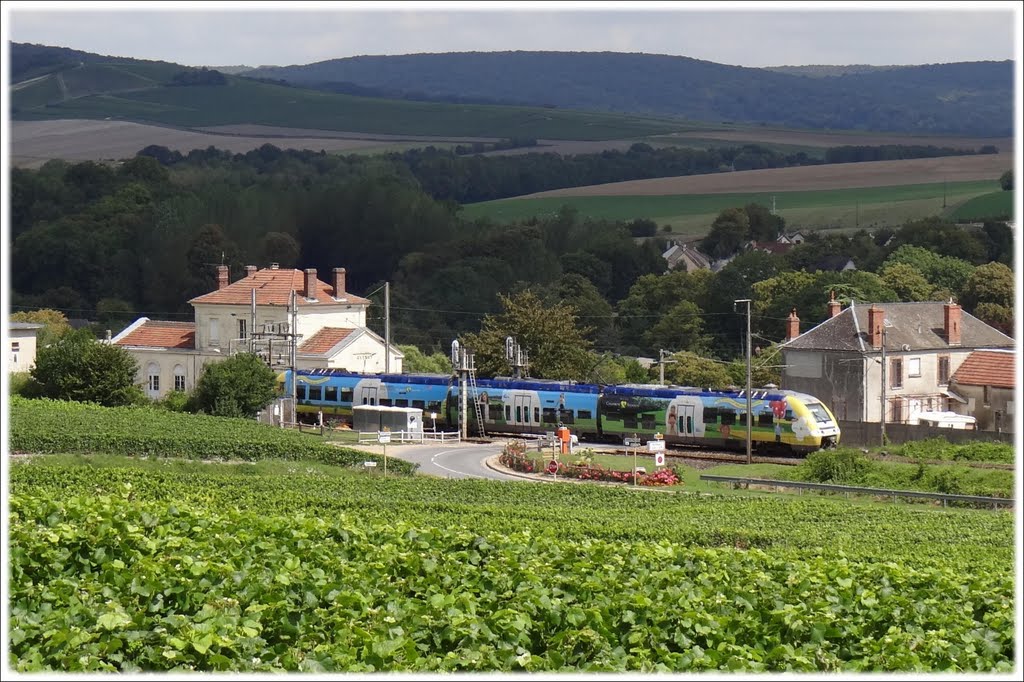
954 396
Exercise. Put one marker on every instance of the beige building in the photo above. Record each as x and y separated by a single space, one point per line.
242 315
986 383
840 360
22 346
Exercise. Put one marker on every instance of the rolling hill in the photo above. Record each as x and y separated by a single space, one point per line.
971 98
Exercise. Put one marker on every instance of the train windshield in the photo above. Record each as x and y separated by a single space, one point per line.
820 415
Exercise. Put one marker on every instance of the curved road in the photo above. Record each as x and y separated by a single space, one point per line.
448 460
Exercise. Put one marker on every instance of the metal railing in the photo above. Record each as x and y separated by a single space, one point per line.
411 436
880 492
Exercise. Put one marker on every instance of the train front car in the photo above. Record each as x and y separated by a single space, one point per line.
814 427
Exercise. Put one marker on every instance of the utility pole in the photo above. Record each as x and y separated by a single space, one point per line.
294 337
387 327
661 365
747 301
461 363
252 324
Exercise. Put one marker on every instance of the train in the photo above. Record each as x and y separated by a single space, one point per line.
783 421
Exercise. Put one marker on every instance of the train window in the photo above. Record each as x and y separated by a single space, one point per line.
373 401
536 415
346 395
648 421
741 418
584 414
385 402
728 417
630 422
550 417
401 402
689 425
315 393
418 404
519 414
819 413
495 413
765 419
710 415
433 405
508 413
331 394
566 417
789 415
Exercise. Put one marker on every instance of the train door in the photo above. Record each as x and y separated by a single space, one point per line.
523 408
685 419
369 392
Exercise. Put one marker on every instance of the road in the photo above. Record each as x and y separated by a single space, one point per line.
448 460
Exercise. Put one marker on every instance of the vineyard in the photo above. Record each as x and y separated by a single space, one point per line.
162 565
45 426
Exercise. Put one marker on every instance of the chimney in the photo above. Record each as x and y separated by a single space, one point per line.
833 306
339 282
951 322
274 266
876 316
222 276
792 326
250 270
310 291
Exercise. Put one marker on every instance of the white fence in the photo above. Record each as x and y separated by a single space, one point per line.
411 437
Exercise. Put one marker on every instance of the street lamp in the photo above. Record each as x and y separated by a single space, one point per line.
747 301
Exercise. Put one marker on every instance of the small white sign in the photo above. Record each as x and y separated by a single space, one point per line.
383 437
369 464
632 442
659 459
655 446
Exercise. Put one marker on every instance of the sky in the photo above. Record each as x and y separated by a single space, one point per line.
737 33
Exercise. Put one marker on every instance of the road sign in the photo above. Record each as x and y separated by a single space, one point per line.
369 464
659 459
655 446
632 442
552 467
383 436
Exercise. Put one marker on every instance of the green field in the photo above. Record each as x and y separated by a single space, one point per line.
247 101
991 205
693 214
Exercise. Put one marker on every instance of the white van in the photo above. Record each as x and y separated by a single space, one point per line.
944 420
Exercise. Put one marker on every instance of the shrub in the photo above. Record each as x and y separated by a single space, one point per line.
835 466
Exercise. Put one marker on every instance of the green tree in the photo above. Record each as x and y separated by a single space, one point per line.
591 308
79 368
557 347
764 227
907 281
989 295
240 386
1006 180
55 324
416 361
727 234
681 328
690 369
942 272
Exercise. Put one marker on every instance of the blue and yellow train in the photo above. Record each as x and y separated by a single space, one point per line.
781 420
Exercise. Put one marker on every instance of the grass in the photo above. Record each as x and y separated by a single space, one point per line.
247 101
692 214
991 205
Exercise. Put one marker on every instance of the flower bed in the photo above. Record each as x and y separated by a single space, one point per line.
514 457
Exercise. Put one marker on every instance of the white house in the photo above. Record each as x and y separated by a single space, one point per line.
330 322
22 338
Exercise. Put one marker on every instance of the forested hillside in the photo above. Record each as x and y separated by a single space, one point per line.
964 98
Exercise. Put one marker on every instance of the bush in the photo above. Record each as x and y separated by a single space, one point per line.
176 401
842 466
240 386
79 368
24 385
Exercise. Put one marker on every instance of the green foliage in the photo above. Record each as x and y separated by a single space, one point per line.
907 281
54 322
240 386
79 368
1006 180
992 283
843 466
690 369
45 426
728 233
942 449
942 272
176 401
22 383
416 361
215 569
557 347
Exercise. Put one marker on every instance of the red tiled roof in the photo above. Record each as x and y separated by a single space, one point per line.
158 334
324 340
274 287
986 368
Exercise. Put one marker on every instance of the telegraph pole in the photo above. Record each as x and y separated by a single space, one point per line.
294 336
661 365
252 325
747 301
387 327
883 385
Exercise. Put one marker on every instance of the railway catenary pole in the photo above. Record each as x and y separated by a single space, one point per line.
882 421
293 339
387 327
747 301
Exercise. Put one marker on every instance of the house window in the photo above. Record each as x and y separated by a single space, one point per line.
897 410
914 367
214 332
896 373
15 346
943 370
179 378
241 328
986 393
153 379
